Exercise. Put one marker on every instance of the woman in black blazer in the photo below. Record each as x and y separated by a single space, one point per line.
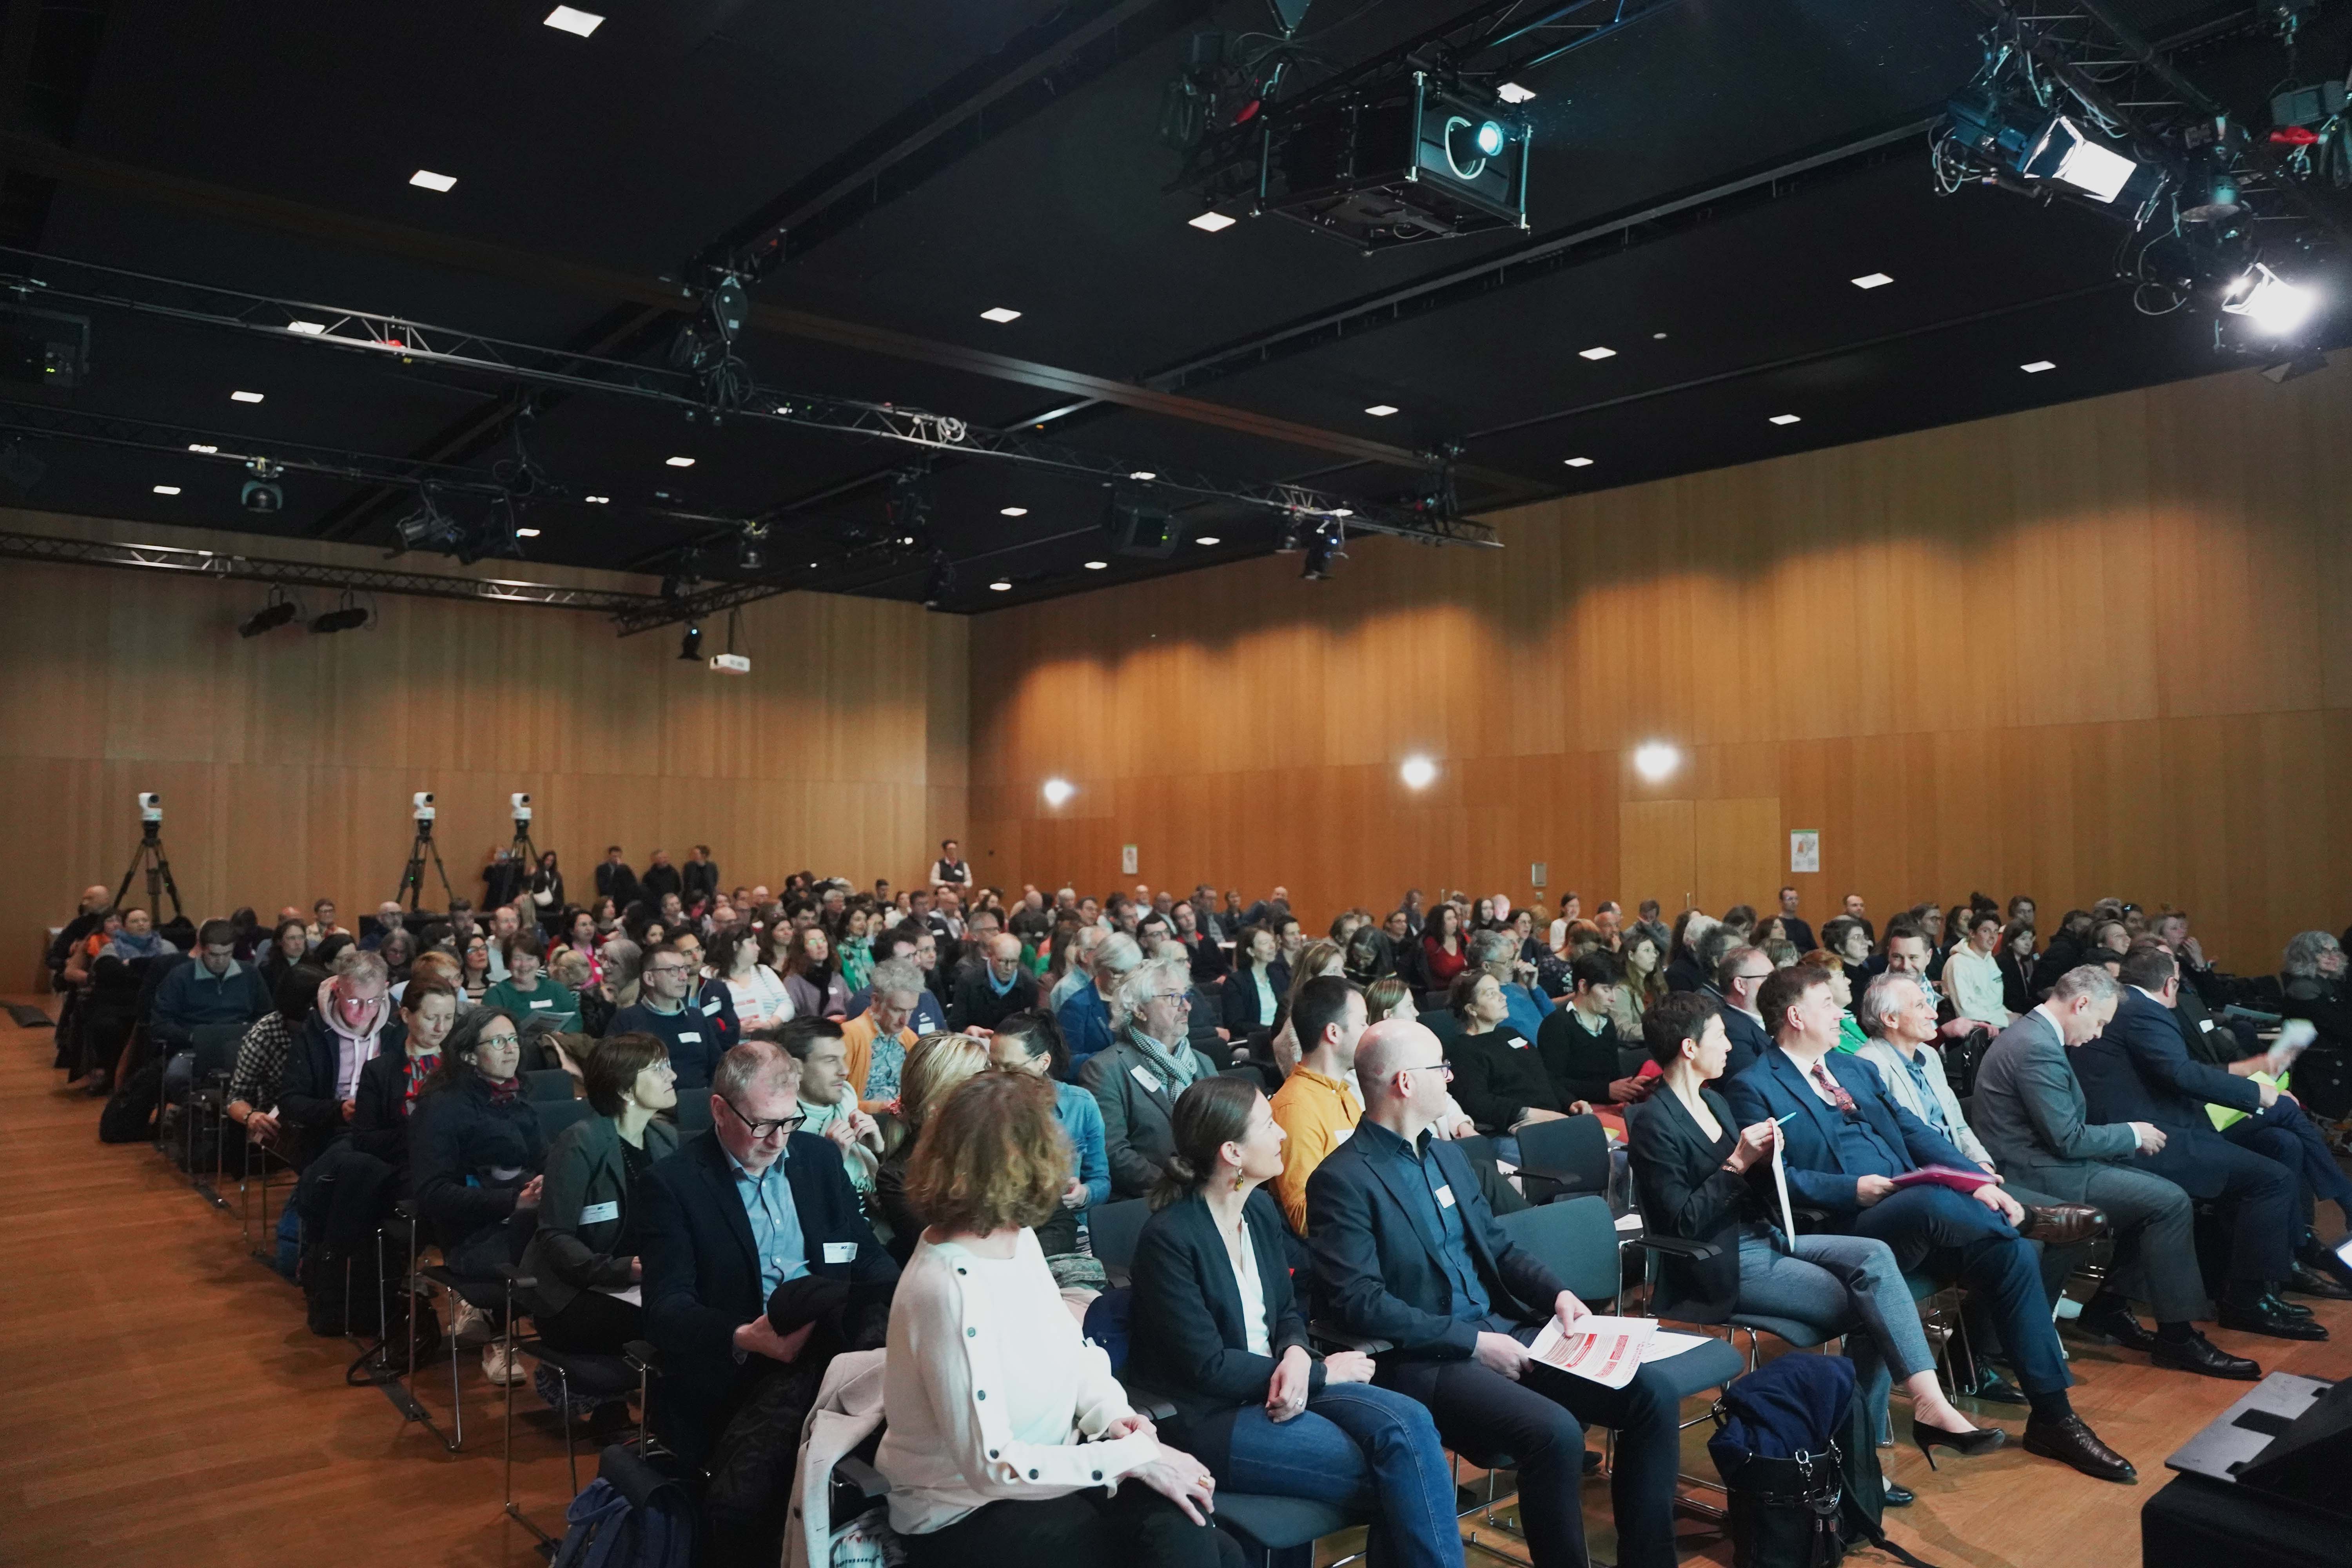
1216 1331
1247 1009
1693 1170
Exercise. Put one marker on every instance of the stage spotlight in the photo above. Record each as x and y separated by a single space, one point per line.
346 616
689 646
271 616
2272 303
261 494
940 586
1287 542
1323 547
748 555
1492 138
2056 149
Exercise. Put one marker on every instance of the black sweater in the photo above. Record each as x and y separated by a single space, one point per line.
459 1133
1499 1077
1581 1065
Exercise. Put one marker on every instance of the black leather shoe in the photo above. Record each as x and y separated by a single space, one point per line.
1900 1496
2116 1327
2278 1303
1994 1389
2200 1356
2062 1224
2070 1442
2266 1318
2308 1281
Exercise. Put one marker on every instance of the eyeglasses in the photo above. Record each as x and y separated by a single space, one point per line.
1444 1070
668 969
783 1125
1175 998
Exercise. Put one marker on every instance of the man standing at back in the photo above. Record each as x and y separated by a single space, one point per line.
701 876
1797 931
614 881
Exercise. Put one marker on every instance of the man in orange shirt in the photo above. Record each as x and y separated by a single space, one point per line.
878 1039
1317 1106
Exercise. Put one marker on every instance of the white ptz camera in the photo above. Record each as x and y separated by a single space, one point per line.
151 805
422 803
521 804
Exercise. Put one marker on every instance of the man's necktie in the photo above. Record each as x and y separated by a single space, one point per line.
1834 1090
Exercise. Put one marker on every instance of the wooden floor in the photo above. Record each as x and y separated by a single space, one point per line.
166 1405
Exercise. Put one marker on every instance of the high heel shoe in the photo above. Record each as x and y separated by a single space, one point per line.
1967 1445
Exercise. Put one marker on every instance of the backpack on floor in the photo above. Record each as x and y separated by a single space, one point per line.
130 1114
630 1516
1798 1459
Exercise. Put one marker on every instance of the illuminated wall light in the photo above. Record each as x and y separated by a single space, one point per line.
1418 772
1057 792
1656 760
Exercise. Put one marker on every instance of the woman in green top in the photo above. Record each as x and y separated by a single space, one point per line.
852 941
1850 1034
527 990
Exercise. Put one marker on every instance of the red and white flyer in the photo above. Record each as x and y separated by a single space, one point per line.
1606 1351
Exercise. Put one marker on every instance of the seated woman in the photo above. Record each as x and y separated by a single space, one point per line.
936 1066
474 980
615 988
757 991
584 1252
1692 1168
1216 1329
1499 1076
1032 1043
1008 1438
474 1153
812 978
527 990
1250 1001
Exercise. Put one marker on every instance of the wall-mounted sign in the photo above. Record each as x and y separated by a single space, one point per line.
1127 859
1804 850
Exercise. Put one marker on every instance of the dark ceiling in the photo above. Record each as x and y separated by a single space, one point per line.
1768 150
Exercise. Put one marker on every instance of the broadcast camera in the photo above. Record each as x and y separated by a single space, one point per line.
521 804
151 805
423 800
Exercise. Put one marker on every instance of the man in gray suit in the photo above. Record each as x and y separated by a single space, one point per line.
2030 1113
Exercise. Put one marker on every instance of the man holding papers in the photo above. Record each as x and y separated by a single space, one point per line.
1846 1147
1407 1251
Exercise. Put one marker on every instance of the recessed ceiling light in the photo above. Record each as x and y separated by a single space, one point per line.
307 329
2038 366
1512 93
167 489
1580 462
1143 474
1873 280
598 500
1382 410
1016 512
433 182
200 447
1097 565
526 533
245 398
1596 351
1002 586
1418 772
1208 539
1658 337
999 313
1786 418
1210 223
565 19
680 462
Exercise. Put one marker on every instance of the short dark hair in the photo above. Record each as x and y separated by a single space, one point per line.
526 939
612 1066
298 991
798 1036
907 931
1599 967
216 931
1316 1006
1784 990
611 850
1679 1017
1037 1027
2148 965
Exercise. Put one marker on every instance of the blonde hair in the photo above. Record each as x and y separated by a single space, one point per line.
993 1157
935 1066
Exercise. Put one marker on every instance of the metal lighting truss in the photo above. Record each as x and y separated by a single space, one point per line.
311 573
408 342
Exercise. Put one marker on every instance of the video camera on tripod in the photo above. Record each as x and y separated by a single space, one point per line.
412 876
422 802
149 856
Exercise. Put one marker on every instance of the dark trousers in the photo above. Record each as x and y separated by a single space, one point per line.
2284 1133
1540 1424
2156 1241
1136 1528
344 1195
2259 1199
1950 1235
593 1324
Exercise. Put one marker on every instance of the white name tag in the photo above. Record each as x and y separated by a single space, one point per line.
689 1038
2205 1026
710 1009
1146 1078
542 1004
841 1252
597 1213
1445 1197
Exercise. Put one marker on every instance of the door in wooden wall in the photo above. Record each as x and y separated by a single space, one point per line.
1657 854
1738 852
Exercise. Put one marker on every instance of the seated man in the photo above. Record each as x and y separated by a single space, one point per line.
2139 1069
1408 1251
1317 1107
737 1211
875 1042
908 940
2038 1130
1739 974
662 1010
213 989
992 991
1846 1141
827 1099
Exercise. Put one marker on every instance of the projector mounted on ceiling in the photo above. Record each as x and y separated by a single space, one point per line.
1397 162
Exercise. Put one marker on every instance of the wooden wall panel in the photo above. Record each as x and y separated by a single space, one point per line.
2099 648
287 761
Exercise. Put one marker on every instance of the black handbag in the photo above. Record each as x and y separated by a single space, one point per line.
1784 1513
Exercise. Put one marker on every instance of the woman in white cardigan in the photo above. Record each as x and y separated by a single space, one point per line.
1009 1440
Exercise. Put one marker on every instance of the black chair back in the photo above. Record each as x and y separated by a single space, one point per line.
1114 1228
1576 1238
1573 1153
547 1083
555 1115
693 1113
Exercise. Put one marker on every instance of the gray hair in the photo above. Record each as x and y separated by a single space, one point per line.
2092 980
1490 949
2303 952
1878 1000
362 966
1136 986
895 977
1119 954
751 1064
623 958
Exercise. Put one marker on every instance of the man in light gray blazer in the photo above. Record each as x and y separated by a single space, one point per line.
2030 1113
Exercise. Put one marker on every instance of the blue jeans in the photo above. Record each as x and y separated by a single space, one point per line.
1357 1445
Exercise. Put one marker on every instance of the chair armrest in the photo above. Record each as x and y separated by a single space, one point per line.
642 1357
1565 1178
1334 1338
853 1471
1676 1246
517 1278
1149 1401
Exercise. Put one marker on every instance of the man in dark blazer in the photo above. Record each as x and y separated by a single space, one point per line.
616 880
1738 974
1845 1143
737 1212
698 878
1407 1251
2031 1117
2139 1069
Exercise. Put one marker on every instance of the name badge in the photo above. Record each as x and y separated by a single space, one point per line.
2205 1026
1445 1197
689 1038
1341 1135
1146 1078
543 1003
597 1213
710 1009
1519 1043
841 1252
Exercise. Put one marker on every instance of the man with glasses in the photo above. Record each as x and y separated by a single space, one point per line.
697 1036
1138 1080
1407 1250
733 1220
912 943
1739 975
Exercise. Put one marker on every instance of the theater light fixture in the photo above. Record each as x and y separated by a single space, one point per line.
1596 351
598 500
1512 93
1656 760
275 612
200 447
1787 419
1000 314
1001 585
245 398
1057 792
1212 222
1143 474
1325 546
2035 367
307 328
347 616
1097 565
680 462
1580 462
430 181
1871 280
1208 539
689 646
2272 303
1382 410
167 489
566 19
1418 772
1014 511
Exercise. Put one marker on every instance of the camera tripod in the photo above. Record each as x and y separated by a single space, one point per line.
412 880
150 854
522 851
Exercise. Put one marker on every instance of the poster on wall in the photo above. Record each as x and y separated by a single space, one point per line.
1804 850
1127 859
1538 872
